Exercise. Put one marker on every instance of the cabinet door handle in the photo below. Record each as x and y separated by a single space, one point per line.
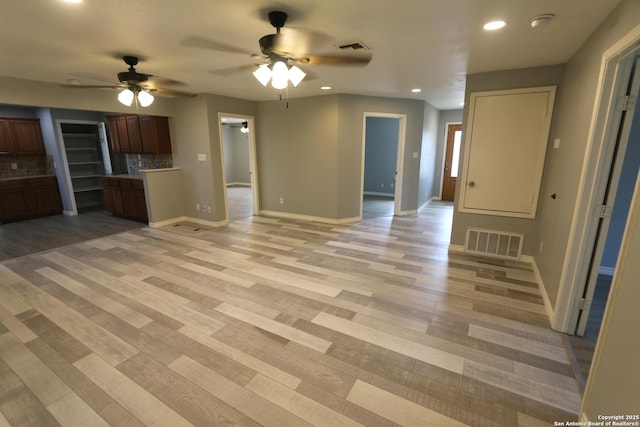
472 183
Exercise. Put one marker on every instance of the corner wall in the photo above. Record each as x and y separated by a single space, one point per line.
498 80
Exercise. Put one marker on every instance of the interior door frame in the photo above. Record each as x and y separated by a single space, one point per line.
402 132
617 149
615 70
253 165
65 174
444 154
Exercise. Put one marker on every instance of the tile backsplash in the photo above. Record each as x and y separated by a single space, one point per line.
136 162
25 165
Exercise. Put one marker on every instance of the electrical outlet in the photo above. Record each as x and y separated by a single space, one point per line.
14 166
540 250
208 209
197 206
282 200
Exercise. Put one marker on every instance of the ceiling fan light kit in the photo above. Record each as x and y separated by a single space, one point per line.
279 74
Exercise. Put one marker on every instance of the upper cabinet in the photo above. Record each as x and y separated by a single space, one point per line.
140 134
20 136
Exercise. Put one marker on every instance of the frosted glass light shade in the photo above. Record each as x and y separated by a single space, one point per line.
296 75
263 74
280 75
145 98
126 97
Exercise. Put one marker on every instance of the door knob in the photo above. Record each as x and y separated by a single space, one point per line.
472 183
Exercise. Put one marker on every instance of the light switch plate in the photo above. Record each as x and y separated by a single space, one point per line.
202 157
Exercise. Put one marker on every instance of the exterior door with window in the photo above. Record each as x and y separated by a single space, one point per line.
451 159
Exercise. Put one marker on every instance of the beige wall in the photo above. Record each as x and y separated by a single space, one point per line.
613 387
563 170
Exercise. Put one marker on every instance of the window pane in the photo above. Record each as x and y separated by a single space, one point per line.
456 153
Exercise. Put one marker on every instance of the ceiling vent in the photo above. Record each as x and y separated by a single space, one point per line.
356 45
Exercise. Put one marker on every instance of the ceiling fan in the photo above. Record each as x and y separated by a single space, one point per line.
282 52
134 85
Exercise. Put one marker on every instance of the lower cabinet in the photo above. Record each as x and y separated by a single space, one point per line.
125 197
26 198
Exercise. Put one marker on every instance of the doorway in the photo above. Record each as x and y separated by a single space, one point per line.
382 164
616 179
451 161
238 148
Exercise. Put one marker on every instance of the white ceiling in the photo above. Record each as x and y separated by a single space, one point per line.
427 44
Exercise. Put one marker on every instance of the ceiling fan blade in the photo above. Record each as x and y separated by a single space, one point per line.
170 92
360 60
234 70
203 43
114 86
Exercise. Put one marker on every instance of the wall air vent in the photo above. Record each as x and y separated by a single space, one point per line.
497 244
355 45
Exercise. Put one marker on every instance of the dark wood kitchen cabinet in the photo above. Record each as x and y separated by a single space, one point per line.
21 136
124 197
136 134
26 198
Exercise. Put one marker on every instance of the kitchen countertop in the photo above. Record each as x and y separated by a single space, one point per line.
12 178
125 176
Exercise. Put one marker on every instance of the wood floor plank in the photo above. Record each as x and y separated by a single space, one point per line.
102 342
299 405
397 409
127 393
18 404
72 411
547 394
189 400
254 363
256 407
277 328
432 356
10 322
278 322
32 372
125 313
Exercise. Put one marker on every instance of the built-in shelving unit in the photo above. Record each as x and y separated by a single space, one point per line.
84 157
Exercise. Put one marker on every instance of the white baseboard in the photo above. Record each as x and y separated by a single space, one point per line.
374 193
69 213
458 249
543 290
186 219
298 217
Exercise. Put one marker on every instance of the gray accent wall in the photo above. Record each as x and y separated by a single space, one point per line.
236 156
509 79
429 174
310 154
381 149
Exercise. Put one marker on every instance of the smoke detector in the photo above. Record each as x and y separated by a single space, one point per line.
541 20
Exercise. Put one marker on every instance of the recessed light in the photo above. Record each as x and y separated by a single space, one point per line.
494 25
325 88
541 20
416 90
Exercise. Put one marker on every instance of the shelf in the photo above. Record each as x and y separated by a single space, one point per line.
86 189
84 163
85 176
80 135
82 149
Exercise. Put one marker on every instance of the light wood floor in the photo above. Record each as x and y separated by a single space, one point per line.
278 322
